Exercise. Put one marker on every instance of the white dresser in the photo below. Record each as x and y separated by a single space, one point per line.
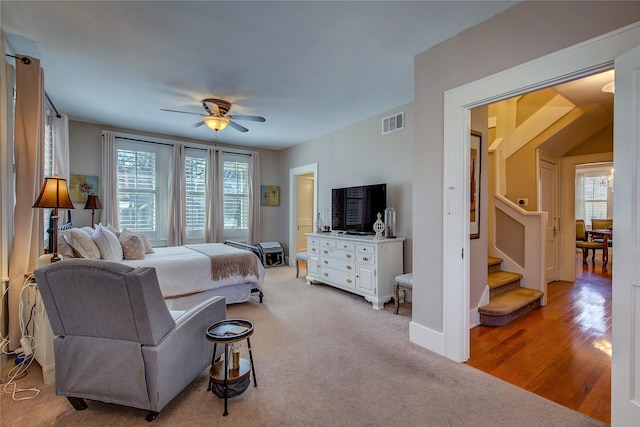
358 264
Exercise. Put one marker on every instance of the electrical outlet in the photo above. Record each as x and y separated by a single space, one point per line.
26 346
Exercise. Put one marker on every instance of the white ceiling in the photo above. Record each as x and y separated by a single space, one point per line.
308 67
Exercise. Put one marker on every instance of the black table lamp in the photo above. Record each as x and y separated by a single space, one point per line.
93 203
54 195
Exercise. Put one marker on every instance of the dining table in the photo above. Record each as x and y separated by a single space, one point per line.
604 234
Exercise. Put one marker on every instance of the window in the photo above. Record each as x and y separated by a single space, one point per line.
143 174
195 169
236 196
594 193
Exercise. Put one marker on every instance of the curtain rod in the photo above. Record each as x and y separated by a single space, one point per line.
195 148
27 61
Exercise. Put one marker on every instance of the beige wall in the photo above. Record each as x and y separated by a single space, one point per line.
602 142
360 155
527 31
85 157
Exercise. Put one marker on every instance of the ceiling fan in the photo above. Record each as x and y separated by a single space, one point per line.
218 117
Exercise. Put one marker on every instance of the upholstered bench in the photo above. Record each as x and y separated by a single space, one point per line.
301 257
404 281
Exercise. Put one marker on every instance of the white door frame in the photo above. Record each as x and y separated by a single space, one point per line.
568 64
293 202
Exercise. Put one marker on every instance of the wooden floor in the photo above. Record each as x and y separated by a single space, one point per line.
561 351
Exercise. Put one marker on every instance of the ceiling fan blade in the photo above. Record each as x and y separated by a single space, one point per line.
183 112
238 127
213 108
249 118
197 125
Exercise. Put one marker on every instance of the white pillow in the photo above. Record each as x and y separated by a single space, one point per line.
82 243
108 243
132 246
64 248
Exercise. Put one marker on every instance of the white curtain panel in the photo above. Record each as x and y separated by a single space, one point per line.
60 127
28 238
214 231
177 232
109 201
254 196
6 167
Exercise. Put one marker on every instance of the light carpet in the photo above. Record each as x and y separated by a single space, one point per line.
323 357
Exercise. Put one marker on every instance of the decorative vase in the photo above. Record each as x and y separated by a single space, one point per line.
378 226
390 222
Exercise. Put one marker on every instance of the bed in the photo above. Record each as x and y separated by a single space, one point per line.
187 274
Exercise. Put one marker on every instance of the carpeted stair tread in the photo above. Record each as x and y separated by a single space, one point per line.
511 301
501 278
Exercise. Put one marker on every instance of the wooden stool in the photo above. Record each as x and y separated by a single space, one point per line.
404 281
301 257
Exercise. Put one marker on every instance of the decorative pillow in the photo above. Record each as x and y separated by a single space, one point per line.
147 246
109 227
81 242
108 244
64 248
132 246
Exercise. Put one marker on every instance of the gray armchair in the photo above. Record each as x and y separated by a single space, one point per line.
117 342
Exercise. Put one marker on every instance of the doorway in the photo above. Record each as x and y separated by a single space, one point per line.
303 205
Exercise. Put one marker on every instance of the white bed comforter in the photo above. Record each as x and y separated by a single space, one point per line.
183 271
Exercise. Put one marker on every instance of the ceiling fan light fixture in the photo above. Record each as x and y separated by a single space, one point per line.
216 123
609 88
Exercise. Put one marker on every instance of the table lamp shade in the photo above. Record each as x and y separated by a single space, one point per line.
54 194
93 202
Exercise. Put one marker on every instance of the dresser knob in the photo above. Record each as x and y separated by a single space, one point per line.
349 281
348 255
326 262
365 258
326 251
349 267
326 274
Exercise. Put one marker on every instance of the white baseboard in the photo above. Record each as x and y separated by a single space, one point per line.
427 338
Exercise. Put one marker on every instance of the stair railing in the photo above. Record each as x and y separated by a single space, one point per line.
518 237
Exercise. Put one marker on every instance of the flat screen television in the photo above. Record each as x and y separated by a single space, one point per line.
355 209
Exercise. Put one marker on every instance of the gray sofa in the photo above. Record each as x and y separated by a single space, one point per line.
116 340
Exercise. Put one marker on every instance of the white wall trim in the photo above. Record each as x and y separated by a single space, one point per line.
581 59
293 202
427 338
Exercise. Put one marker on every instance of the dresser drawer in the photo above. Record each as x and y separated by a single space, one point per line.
338 253
339 264
347 246
338 278
313 250
313 241
369 259
366 249
327 243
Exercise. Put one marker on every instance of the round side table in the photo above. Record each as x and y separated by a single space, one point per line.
227 377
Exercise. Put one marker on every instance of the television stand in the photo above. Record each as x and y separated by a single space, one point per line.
360 264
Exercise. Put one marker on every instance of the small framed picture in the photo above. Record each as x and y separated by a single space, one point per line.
269 195
474 201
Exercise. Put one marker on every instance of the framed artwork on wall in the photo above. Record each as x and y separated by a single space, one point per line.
269 195
80 186
474 202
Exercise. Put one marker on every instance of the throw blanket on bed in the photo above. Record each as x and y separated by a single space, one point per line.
224 264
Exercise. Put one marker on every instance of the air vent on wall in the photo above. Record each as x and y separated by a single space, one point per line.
393 123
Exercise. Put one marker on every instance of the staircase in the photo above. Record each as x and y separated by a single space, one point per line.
507 299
